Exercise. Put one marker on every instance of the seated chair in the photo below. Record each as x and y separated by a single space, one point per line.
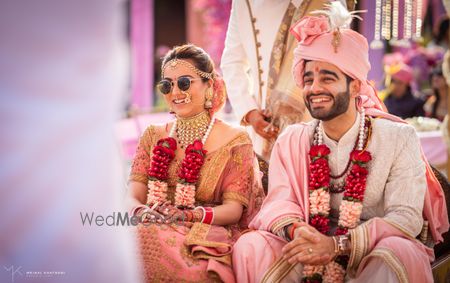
441 266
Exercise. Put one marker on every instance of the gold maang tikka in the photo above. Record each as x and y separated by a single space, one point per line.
174 63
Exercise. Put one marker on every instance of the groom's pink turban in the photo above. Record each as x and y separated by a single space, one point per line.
351 55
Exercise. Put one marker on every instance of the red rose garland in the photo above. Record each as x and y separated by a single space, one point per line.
349 210
188 174
320 180
163 154
192 162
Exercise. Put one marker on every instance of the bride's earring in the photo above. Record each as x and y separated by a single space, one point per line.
208 97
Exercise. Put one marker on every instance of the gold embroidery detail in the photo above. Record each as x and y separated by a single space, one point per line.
141 163
197 236
171 241
393 262
213 167
152 254
277 271
360 245
236 197
226 259
210 173
282 222
399 227
187 256
136 177
238 159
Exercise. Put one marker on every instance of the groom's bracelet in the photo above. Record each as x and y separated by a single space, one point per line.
284 232
295 225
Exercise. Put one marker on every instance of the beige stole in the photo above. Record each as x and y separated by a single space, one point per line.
283 100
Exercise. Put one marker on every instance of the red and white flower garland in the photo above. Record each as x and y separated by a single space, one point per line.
163 154
319 200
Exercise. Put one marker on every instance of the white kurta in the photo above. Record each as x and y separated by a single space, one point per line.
239 61
396 182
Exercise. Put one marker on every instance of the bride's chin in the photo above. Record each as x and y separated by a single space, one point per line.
179 107
182 113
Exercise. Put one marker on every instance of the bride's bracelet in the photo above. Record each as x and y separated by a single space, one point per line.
197 214
189 215
207 214
208 218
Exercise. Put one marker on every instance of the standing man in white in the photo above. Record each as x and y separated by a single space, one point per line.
257 62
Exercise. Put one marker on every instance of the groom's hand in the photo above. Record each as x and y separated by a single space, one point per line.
309 246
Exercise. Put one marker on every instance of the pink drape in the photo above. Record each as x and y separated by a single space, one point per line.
142 50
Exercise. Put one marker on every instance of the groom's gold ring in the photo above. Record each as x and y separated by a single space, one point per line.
310 250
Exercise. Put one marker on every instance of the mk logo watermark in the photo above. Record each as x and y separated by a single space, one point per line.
31 274
14 271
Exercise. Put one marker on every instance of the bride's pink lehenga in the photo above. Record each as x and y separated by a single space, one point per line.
202 253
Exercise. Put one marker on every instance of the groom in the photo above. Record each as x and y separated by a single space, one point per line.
348 191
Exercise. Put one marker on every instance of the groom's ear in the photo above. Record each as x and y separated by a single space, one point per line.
355 88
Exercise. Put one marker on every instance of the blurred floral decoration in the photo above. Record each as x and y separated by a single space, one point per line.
216 14
422 60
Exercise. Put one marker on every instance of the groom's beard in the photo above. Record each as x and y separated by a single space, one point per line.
339 106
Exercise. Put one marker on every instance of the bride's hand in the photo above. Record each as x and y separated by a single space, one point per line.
151 216
171 213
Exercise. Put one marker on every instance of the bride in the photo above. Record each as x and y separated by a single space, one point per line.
194 182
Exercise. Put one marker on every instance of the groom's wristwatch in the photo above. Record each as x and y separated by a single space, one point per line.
342 245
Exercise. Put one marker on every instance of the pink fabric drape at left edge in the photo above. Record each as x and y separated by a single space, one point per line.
142 21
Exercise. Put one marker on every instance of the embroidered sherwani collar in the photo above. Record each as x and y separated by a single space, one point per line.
348 138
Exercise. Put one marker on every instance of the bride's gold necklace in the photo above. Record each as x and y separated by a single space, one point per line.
192 128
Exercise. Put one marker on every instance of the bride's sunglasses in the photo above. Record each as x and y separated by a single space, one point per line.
165 86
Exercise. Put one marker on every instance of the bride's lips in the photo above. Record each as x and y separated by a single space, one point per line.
179 101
